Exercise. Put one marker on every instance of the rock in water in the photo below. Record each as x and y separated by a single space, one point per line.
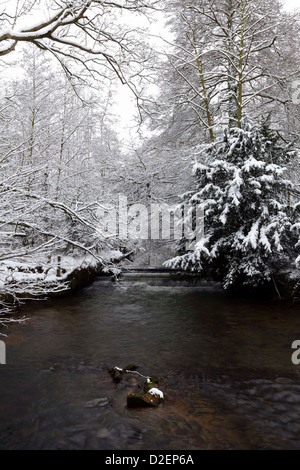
97 403
135 400
116 374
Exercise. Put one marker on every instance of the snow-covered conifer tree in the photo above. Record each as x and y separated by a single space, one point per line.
245 192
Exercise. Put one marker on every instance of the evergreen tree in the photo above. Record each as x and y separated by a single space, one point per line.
249 217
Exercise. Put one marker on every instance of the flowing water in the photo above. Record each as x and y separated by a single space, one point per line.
224 365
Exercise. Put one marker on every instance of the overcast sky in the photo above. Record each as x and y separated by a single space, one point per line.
291 4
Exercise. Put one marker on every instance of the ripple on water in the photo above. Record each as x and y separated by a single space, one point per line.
224 366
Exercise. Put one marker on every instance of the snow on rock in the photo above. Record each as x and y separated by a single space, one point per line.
156 391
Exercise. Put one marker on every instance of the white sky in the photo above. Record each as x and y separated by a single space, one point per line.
291 4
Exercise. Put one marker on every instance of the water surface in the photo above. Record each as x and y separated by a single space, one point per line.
224 365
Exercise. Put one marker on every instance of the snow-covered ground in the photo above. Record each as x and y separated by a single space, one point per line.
22 279
51 271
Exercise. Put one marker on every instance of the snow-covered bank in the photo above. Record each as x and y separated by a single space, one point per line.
21 280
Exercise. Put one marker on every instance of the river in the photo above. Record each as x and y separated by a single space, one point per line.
224 365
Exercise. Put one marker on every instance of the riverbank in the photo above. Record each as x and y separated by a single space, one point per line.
22 281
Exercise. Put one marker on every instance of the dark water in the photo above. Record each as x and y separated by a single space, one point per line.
224 365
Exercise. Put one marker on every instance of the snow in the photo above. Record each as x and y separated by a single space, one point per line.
264 240
156 391
44 273
247 214
252 236
253 163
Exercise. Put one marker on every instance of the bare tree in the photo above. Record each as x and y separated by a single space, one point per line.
231 57
89 38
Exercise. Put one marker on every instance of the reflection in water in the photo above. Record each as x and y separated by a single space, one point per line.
224 364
